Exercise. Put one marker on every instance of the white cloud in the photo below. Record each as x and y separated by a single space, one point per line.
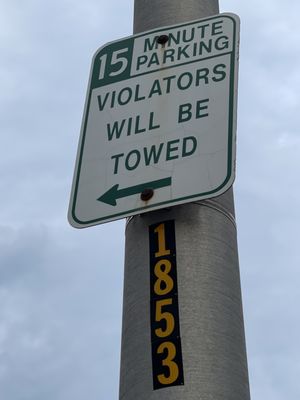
53 324
58 338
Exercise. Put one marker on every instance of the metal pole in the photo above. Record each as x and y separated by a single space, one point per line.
209 295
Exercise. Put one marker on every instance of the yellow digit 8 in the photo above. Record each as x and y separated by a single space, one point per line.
162 251
163 277
168 362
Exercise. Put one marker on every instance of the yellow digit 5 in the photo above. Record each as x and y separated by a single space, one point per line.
164 283
168 317
162 251
168 362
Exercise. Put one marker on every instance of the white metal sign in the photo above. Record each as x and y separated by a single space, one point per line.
159 123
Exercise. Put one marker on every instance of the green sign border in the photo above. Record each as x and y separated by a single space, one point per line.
230 167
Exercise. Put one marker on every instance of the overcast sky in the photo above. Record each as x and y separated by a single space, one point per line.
58 338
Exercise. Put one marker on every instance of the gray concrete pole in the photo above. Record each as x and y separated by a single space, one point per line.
209 295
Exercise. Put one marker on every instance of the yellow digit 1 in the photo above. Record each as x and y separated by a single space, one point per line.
164 283
168 362
168 317
162 251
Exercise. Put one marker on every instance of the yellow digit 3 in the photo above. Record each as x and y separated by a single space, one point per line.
168 362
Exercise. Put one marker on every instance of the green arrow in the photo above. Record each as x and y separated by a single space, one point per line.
115 193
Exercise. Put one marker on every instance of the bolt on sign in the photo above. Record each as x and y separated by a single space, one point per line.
159 124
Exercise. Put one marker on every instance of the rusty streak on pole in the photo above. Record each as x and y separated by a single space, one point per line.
209 294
